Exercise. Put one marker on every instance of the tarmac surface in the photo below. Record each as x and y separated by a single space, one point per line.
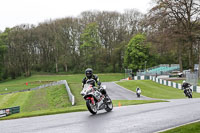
146 118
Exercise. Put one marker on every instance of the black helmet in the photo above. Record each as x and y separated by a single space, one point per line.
88 73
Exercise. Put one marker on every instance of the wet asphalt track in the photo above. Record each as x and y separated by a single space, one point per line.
117 92
146 118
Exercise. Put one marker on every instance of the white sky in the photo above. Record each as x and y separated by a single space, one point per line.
15 12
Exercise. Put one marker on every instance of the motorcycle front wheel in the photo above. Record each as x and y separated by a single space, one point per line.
109 105
189 95
92 108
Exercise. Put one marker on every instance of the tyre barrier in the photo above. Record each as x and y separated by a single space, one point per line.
173 84
165 82
141 77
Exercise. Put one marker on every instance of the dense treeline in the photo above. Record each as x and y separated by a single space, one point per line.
94 39
169 34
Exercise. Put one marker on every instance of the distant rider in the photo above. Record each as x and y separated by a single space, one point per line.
185 86
138 91
89 75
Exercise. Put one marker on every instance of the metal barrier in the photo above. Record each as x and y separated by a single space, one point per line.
192 78
9 111
71 96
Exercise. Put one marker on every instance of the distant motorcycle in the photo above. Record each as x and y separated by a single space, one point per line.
188 92
94 99
138 92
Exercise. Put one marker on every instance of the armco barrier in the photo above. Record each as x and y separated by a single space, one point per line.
9 111
71 96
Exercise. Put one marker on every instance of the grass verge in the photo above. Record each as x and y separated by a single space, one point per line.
155 90
42 99
190 128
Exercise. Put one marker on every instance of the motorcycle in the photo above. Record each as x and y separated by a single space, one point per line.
95 100
188 92
138 92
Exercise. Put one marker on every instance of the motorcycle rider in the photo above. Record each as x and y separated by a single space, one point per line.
138 91
89 75
185 86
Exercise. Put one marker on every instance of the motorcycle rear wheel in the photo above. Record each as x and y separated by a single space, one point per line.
92 108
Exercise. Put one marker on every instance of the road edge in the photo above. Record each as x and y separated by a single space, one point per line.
177 126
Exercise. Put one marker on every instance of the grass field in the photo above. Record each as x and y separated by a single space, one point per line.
155 90
37 80
51 100
190 128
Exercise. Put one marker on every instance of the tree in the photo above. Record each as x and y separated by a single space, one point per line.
67 36
20 51
184 15
90 45
137 53
94 39
3 49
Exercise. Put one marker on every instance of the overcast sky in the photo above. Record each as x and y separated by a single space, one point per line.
15 12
